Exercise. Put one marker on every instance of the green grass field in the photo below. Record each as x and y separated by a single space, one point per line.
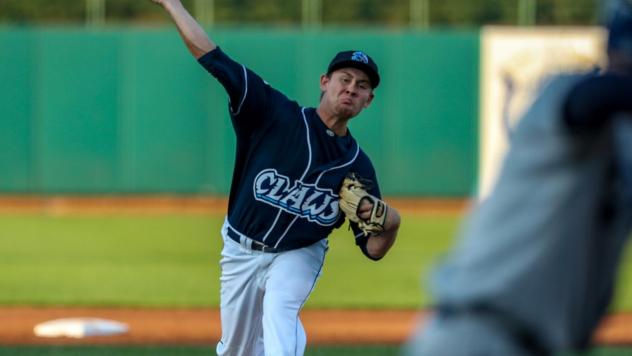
172 261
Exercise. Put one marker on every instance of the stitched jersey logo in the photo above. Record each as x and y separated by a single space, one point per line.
359 56
305 200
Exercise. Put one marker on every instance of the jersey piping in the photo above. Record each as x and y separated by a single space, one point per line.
339 166
309 163
243 98
303 176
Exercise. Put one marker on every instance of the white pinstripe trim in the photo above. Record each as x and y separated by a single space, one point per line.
273 224
309 145
243 98
319 176
309 163
285 232
340 166
320 270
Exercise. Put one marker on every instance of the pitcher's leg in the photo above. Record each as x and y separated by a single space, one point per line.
290 280
240 302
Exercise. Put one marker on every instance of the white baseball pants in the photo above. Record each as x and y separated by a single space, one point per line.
262 295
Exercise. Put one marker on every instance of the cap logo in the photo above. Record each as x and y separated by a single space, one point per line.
359 56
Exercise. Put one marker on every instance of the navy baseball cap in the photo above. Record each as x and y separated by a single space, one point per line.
619 24
358 60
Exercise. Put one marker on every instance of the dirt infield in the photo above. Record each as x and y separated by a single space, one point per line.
201 326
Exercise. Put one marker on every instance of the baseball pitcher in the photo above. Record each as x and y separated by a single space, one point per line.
298 172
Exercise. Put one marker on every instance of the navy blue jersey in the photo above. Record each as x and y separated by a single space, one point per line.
289 166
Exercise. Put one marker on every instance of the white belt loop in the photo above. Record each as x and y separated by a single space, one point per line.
245 242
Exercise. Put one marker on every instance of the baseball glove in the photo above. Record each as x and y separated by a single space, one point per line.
352 193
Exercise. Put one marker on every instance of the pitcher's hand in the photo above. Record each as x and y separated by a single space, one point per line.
164 3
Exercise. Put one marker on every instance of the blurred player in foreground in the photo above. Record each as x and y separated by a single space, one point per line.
534 269
295 171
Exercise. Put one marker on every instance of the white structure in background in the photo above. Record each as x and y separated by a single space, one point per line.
514 62
79 327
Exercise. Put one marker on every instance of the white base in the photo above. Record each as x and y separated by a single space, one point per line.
79 327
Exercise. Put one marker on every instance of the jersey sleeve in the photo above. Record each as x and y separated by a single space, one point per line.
248 93
364 168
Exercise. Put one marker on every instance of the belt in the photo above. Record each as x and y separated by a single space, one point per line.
250 243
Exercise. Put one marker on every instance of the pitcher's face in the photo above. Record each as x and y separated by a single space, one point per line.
346 92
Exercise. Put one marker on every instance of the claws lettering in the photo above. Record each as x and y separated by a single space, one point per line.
305 200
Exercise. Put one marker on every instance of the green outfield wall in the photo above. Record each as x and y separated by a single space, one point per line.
128 110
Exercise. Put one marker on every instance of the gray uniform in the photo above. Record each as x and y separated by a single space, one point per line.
534 267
